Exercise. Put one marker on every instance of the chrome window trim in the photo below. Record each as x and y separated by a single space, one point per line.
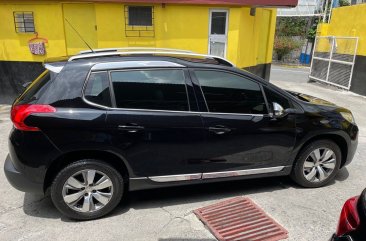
134 64
211 175
218 113
168 111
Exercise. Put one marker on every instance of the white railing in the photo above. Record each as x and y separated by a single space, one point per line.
333 60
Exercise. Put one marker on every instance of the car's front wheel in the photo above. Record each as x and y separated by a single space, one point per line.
87 189
317 164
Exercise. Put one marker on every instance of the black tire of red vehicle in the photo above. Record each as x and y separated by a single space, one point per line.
297 173
67 172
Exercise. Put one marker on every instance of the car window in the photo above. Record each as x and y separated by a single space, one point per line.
37 87
230 93
150 89
97 89
275 97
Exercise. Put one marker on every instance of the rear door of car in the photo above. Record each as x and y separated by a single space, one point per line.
154 124
241 136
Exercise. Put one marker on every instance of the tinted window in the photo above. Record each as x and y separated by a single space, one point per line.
218 23
38 86
274 97
97 89
139 16
24 22
150 89
229 93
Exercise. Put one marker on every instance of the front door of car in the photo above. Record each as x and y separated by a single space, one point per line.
241 137
153 126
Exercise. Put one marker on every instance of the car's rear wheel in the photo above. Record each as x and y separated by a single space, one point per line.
317 164
87 189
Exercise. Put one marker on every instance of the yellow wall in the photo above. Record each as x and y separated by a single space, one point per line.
256 37
250 38
347 21
183 27
14 46
82 18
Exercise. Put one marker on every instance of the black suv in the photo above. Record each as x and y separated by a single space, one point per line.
100 123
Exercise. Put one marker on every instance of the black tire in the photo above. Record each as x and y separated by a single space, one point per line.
297 173
60 180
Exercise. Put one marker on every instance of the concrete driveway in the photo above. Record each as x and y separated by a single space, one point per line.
166 214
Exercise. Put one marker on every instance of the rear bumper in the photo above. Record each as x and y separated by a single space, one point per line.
30 155
19 180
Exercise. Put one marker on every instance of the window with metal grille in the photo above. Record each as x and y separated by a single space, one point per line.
139 21
140 16
24 22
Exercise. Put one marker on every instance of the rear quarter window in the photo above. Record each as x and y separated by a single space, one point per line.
97 89
37 87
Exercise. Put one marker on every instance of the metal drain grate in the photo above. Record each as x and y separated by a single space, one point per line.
240 219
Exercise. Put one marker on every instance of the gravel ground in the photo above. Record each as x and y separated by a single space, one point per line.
166 214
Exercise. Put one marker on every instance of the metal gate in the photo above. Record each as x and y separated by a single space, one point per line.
333 60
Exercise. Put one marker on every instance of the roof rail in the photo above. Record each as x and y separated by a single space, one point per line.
167 53
132 49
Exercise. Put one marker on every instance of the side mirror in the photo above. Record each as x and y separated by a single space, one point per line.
278 110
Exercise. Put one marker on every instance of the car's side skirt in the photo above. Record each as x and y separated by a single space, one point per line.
176 178
210 175
141 183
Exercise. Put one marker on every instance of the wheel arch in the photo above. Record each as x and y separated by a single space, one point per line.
337 139
111 158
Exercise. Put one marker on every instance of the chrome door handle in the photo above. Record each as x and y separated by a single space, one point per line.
219 130
130 128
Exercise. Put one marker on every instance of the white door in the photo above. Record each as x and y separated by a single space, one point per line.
217 39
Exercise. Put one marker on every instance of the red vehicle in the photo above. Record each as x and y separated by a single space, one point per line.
352 222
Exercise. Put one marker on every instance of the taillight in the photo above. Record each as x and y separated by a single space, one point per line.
20 112
349 219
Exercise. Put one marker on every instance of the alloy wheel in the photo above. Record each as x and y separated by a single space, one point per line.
87 190
319 165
